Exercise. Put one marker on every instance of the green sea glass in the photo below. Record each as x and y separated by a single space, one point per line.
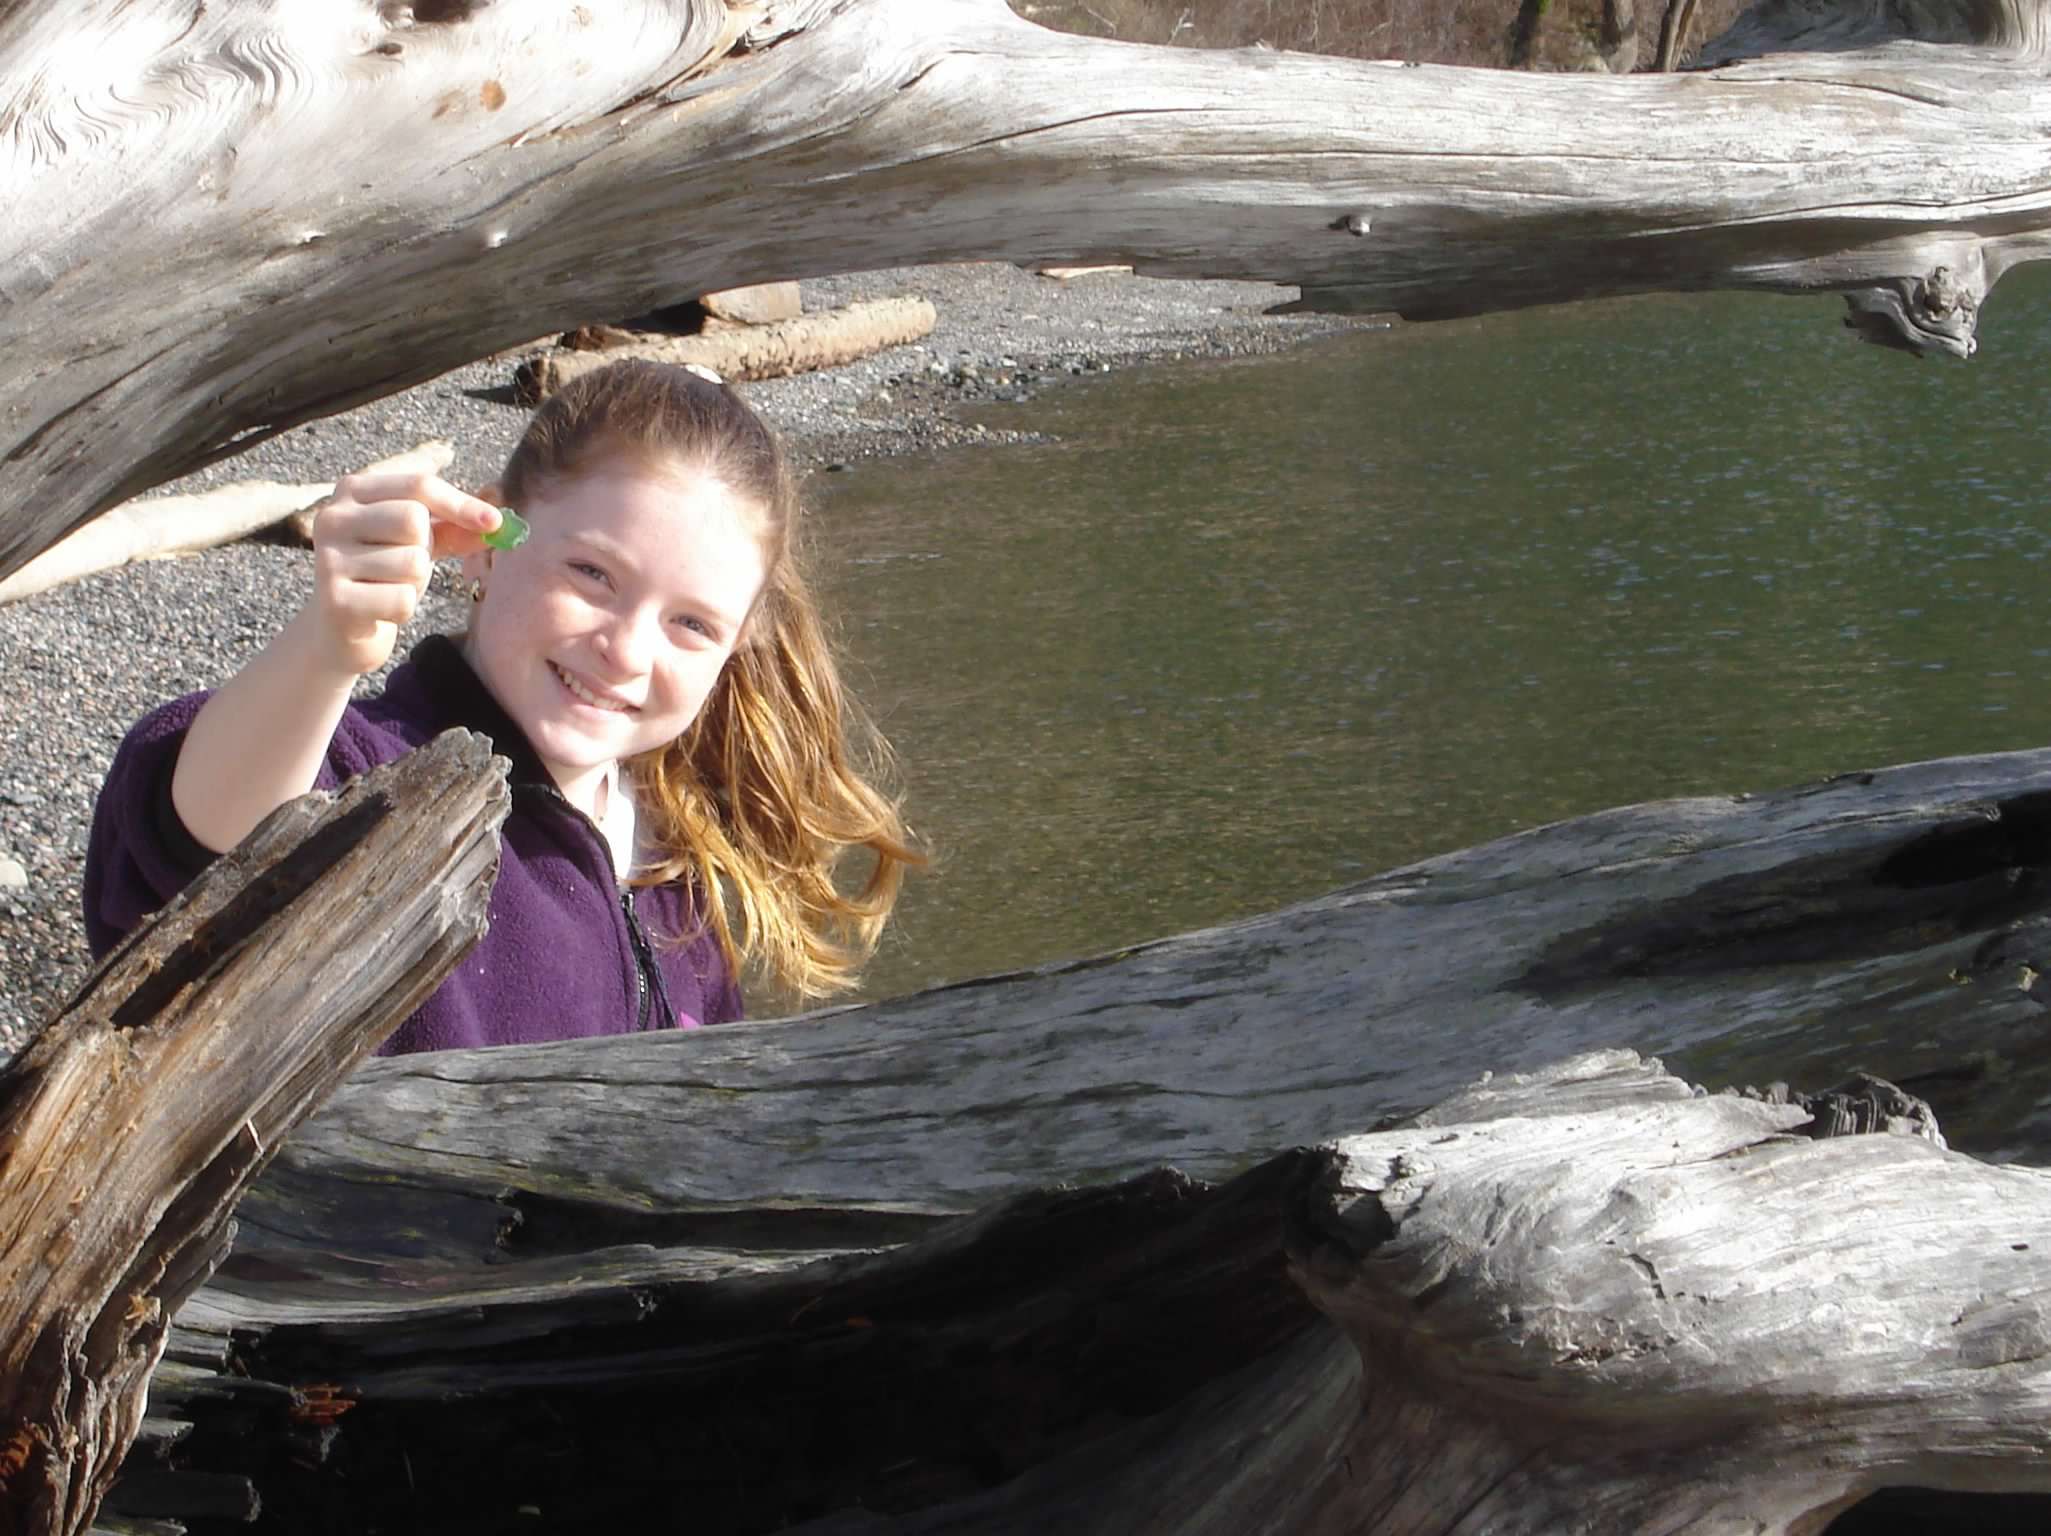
511 532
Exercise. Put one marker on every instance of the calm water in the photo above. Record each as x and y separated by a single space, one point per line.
1249 631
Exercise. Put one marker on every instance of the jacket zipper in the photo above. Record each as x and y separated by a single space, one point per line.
648 977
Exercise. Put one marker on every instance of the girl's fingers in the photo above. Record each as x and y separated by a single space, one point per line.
443 511
408 564
360 603
459 538
350 526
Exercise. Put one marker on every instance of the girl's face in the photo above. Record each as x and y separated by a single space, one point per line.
603 634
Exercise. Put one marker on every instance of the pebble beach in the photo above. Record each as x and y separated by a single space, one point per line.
84 661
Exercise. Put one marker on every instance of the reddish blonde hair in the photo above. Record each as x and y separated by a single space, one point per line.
759 799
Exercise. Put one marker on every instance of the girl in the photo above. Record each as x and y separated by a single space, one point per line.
651 663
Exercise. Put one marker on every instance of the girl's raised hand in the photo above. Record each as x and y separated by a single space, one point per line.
375 542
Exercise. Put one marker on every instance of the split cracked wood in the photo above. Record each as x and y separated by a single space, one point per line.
375 194
131 1125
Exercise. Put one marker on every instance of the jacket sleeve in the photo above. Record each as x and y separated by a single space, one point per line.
140 854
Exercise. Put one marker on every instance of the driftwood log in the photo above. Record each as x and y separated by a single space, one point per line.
772 350
919 1266
222 223
131 1125
1588 1299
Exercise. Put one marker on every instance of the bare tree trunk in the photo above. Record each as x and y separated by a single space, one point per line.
1619 24
131 1125
218 229
1703 925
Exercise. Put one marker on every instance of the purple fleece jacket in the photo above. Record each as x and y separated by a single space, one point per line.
569 951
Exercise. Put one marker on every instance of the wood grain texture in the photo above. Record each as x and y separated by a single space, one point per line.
1588 1298
349 205
1683 1318
131 1125
1762 925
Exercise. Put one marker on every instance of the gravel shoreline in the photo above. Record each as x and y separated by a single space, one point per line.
86 660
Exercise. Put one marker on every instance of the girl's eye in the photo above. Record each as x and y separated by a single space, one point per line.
697 627
583 568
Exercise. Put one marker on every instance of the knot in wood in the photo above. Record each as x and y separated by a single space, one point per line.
1941 295
1862 1105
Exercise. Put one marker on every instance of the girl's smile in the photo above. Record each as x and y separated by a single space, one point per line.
587 695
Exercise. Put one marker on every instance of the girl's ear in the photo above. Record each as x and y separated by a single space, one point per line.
477 567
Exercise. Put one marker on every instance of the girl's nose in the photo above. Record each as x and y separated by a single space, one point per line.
630 640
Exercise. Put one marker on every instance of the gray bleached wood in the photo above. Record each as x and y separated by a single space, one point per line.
1794 934
218 228
132 1124
1664 1314
488 1206
1583 1299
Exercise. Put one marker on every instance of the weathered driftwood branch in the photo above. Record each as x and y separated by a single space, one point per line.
773 350
310 196
1586 1299
154 527
760 1227
1796 935
131 1125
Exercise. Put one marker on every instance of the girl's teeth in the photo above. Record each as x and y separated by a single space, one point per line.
585 694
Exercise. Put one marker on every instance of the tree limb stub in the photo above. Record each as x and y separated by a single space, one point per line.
131 1125
1586 1298
521 167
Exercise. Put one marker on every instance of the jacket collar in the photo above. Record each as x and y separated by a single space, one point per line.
458 697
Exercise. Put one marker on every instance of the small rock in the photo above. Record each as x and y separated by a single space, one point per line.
12 876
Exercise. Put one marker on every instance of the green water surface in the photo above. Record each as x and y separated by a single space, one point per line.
1244 632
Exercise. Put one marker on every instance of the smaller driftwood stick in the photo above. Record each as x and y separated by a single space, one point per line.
823 340
131 1125
153 527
